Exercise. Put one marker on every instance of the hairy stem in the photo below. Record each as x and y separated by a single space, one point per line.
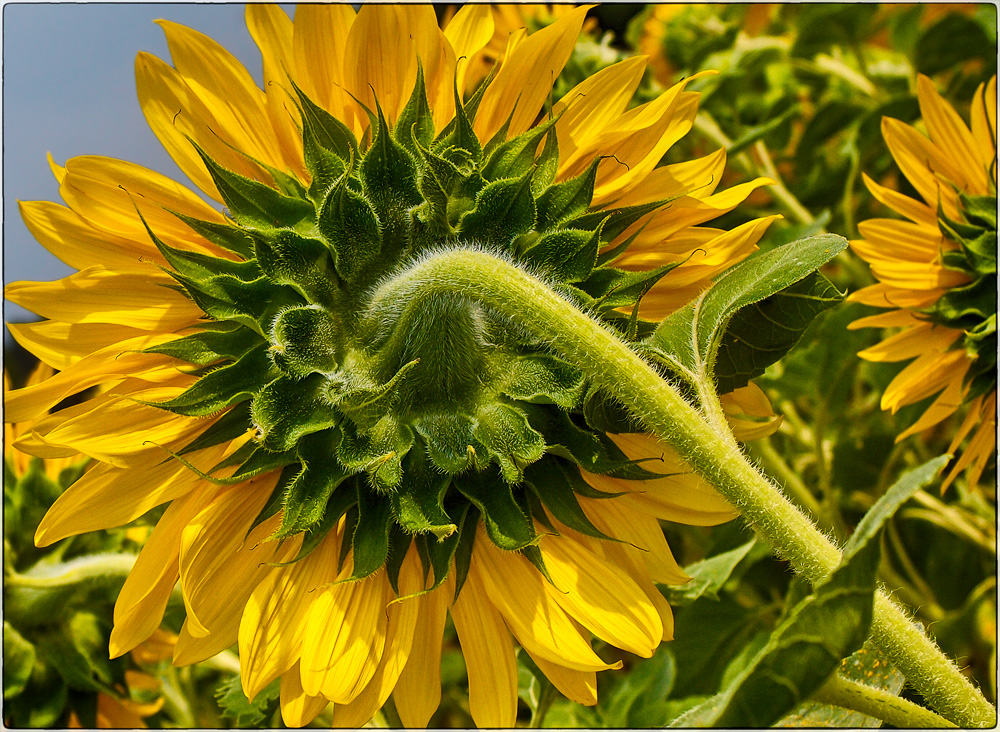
708 448
879 704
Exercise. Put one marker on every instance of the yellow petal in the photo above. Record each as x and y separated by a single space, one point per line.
945 405
298 708
112 714
60 345
902 239
57 170
886 296
135 298
418 690
69 237
273 622
110 363
107 192
226 88
374 68
577 686
593 104
681 496
542 626
128 428
143 598
923 164
643 534
220 562
890 319
526 77
915 211
145 484
400 631
469 30
912 342
984 128
319 44
926 375
345 636
951 136
489 656
596 594
272 30
977 453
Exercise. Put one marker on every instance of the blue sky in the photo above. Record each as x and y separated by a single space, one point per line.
69 89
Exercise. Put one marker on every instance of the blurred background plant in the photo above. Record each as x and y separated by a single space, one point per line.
57 615
799 97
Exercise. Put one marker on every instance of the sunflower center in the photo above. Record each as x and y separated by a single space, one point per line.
419 421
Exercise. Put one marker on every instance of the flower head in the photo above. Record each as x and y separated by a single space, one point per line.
937 271
338 484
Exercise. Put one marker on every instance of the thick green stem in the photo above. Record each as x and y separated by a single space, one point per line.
711 451
879 704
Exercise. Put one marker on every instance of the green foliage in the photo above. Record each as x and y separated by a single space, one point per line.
689 340
244 713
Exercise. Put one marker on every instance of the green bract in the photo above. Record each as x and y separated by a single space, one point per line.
416 423
972 308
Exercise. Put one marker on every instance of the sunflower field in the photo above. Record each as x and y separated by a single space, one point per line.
568 366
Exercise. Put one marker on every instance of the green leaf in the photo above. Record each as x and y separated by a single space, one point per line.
252 203
512 442
303 263
305 501
459 133
688 340
213 342
389 180
415 125
286 410
708 576
18 661
554 481
243 712
514 157
225 428
226 236
638 699
417 505
761 333
826 626
567 200
78 650
868 666
329 132
937 49
305 341
542 379
504 210
222 387
371 535
506 523
758 132
567 255
613 288
351 227
595 452
448 438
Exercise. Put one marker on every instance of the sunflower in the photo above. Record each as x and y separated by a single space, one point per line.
339 486
937 271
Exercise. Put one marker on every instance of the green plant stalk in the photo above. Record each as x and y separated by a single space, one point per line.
709 449
879 704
